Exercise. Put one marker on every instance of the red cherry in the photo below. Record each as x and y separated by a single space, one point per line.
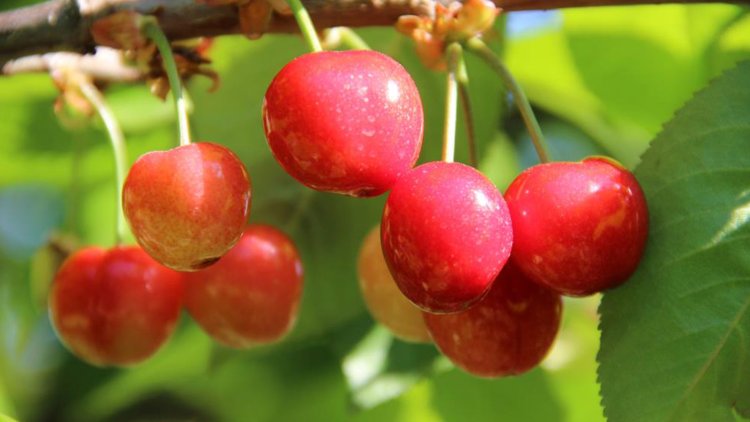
116 306
187 206
344 121
507 333
384 300
252 294
446 235
579 228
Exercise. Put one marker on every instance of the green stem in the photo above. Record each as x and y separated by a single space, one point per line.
305 25
152 30
117 140
463 93
453 54
350 39
476 46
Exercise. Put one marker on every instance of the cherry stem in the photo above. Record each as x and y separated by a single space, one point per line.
305 25
463 93
116 139
152 30
343 35
453 55
476 46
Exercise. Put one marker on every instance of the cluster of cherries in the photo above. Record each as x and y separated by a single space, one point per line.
116 307
454 260
484 271
187 208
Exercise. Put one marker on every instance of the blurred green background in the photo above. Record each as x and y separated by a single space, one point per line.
602 80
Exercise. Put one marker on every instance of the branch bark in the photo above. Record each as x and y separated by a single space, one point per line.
63 25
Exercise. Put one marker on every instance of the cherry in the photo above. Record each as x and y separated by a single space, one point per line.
507 333
383 298
349 122
187 206
580 227
252 294
116 306
446 235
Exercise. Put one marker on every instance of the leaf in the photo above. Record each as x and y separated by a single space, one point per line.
461 397
650 67
380 367
185 357
675 338
618 72
500 162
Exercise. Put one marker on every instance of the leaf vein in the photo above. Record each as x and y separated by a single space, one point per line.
705 248
687 176
712 357
704 134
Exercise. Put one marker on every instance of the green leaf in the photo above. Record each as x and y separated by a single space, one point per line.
675 338
499 161
185 357
619 72
461 397
650 67
380 367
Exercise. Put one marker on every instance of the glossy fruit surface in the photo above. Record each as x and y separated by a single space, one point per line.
507 333
446 235
187 206
579 228
252 294
349 122
384 300
116 306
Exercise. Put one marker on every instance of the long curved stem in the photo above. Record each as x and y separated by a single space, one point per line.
476 46
305 25
152 31
462 77
116 139
453 54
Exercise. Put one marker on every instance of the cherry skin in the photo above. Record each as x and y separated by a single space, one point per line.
446 234
349 122
579 228
252 294
187 206
384 300
507 333
114 307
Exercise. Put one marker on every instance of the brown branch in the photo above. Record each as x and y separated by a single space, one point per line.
106 65
63 25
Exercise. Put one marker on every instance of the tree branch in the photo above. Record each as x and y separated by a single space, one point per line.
106 65
63 25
